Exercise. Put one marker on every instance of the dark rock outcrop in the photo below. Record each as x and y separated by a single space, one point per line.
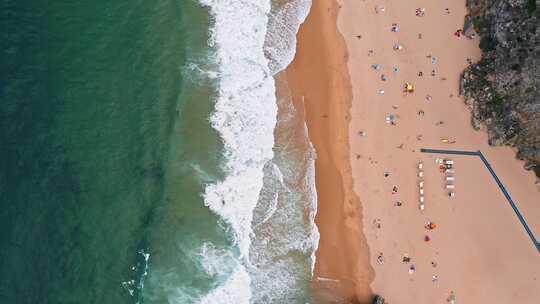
503 88
378 300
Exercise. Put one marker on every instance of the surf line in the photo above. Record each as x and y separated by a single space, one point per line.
327 279
499 183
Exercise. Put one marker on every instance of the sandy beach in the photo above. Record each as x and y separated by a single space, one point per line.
367 133
319 82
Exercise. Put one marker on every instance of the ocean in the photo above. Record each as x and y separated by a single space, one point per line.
150 153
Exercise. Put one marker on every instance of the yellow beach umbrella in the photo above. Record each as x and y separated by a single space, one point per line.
409 87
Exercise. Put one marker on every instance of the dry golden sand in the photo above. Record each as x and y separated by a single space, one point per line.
481 250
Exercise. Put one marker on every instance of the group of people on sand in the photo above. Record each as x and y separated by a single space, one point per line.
429 226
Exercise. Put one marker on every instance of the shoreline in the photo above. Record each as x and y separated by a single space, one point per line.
320 87
332 73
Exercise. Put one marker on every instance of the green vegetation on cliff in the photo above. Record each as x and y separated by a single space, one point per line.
503 88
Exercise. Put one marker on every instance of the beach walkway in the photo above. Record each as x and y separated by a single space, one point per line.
499 183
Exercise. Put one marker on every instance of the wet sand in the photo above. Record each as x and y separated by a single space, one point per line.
479 249
319 83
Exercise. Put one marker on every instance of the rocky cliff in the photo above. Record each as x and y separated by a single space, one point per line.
503 88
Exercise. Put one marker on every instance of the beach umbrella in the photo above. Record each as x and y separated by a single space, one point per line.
409 88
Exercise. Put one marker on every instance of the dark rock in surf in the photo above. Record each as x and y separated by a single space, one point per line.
378 300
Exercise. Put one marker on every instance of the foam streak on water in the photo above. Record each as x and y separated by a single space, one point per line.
244 116
254 41
283 25
310 184
245 110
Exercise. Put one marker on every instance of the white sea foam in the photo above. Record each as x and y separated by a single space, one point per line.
283 219
272 197
245 116
195 68
216 262
232 291
251 44
310 184
137 285
245 110
280 44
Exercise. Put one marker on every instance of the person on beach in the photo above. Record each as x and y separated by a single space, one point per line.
406 259
380 258
430 226
451 298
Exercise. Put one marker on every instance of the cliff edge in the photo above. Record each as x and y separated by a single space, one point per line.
503 88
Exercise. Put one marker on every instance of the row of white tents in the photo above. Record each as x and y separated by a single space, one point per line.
447 167
421 185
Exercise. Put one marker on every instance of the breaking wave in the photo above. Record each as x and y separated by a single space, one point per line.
262 192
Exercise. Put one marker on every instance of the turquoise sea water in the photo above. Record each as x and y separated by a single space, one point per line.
106 151
102 131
